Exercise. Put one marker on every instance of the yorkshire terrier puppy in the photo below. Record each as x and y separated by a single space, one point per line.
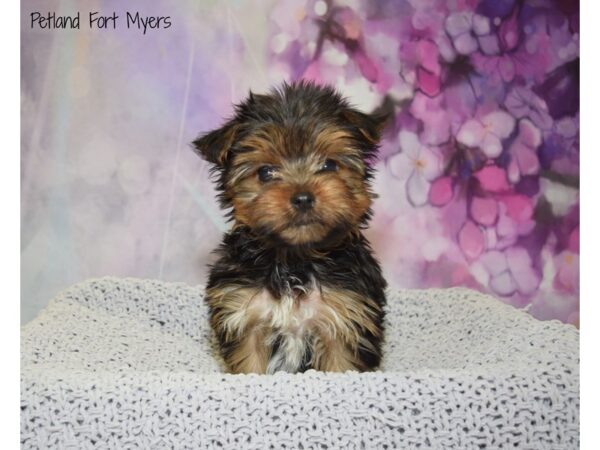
296 286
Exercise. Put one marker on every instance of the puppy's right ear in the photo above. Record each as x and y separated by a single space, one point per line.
214 146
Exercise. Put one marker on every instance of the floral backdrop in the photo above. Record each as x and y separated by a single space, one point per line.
478 174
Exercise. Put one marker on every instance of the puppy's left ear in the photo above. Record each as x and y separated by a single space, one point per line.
214 146
369 125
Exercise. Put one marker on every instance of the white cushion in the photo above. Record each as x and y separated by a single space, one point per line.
127 363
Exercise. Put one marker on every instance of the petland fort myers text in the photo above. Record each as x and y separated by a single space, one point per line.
94 20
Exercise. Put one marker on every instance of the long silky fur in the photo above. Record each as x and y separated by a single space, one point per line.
244 260
256 266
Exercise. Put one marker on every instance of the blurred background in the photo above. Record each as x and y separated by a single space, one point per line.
478 174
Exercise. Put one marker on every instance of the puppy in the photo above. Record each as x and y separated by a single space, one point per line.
295 286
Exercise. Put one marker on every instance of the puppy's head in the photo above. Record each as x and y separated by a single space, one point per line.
294 164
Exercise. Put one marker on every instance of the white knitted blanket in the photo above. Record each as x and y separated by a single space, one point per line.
126 363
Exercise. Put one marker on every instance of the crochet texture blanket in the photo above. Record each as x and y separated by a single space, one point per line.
126 363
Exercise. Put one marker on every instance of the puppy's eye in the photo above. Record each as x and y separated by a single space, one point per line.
265 173
329 166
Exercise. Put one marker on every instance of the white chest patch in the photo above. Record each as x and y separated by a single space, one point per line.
292 319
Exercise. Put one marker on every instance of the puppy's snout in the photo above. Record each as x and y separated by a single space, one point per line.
303 201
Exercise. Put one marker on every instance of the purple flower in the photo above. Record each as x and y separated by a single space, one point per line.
511 271
418 164
485 101
518 53
436 119
468 31
487 133
522 102
523 152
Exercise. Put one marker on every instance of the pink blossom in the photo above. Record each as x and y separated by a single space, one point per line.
384 52
502 226
428 70
522 102
441 191
487 133
519 207
484 210
509 31
480 112
510 54
436 119
493 179
515 218
501 67
421 62
471 240
524 159
466 29
417 162
429 15
511 271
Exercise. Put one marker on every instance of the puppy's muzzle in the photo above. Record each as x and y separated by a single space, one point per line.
303 201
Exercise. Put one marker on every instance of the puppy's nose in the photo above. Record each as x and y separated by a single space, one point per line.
303 201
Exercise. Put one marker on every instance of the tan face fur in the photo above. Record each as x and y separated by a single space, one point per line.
341 197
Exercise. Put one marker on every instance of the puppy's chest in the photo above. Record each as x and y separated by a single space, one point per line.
289 324
295 311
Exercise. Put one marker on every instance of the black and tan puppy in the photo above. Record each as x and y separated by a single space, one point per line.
295 286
